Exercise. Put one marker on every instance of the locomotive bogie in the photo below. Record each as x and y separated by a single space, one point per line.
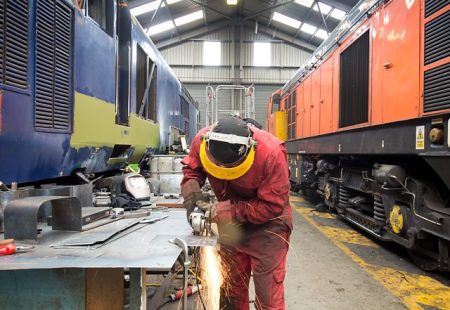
385 201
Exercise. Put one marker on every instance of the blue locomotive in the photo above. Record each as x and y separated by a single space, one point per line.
82 88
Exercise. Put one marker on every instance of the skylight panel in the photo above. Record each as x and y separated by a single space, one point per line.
149 7
188 18
262 54
363 6
322 34
338 14
306 3
211 53
145 8
324 8
308 28
281 18
160 28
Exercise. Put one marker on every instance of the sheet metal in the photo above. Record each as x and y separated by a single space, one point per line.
148 247
99 235
21 216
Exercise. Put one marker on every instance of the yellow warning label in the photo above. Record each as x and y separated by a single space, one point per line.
420 137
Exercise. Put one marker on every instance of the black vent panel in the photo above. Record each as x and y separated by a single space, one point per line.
291 113
14 43
437 34
432 6
354 83
53 66
437 89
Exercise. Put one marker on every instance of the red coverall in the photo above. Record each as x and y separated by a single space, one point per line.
260 201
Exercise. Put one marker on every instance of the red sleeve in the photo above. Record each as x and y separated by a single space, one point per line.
192 166
273 193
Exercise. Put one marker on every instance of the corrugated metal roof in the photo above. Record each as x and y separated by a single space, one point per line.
248 12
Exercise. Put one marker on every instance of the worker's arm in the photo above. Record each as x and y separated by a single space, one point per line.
272 196
193 177
192 166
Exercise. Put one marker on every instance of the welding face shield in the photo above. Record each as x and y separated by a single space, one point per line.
227 150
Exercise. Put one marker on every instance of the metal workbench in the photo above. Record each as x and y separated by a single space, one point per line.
85 277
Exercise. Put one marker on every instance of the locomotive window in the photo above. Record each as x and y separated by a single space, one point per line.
152 92
145 90
101 11
276 103
354 83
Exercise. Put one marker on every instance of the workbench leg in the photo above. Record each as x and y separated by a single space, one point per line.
138 289
104 289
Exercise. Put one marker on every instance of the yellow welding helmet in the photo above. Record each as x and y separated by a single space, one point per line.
227 150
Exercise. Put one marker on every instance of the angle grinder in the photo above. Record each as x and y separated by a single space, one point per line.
200 219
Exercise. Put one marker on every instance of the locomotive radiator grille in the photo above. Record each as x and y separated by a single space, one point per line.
291 106
437 33
354 83
432 6
437 89
53 66
14 43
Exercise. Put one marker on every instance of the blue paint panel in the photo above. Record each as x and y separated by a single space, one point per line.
27 156
95 60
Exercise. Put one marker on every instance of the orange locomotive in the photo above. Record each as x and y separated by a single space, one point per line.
367 124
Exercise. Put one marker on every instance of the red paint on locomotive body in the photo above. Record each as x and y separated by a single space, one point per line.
396 73
372 125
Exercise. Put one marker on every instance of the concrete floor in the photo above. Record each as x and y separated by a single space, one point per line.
320 276
333 266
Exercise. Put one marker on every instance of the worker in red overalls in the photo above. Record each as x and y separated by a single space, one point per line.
248 172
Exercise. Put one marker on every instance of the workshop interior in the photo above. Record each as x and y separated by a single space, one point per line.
224 154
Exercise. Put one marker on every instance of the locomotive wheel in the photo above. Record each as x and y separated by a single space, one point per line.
424 262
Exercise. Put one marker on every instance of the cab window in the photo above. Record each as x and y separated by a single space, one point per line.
276 103
101 11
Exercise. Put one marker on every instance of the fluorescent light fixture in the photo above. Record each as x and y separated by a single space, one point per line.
232 2
188 18
151 6
211 53
338 14
308 28
261 54
307 3
286 20
324 8
160 28
322 34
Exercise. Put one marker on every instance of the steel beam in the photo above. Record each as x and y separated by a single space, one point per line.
171 17
153 16
211 9
337 4
283 36
193 33
269 9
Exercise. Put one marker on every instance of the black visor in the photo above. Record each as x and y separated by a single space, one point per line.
224 152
